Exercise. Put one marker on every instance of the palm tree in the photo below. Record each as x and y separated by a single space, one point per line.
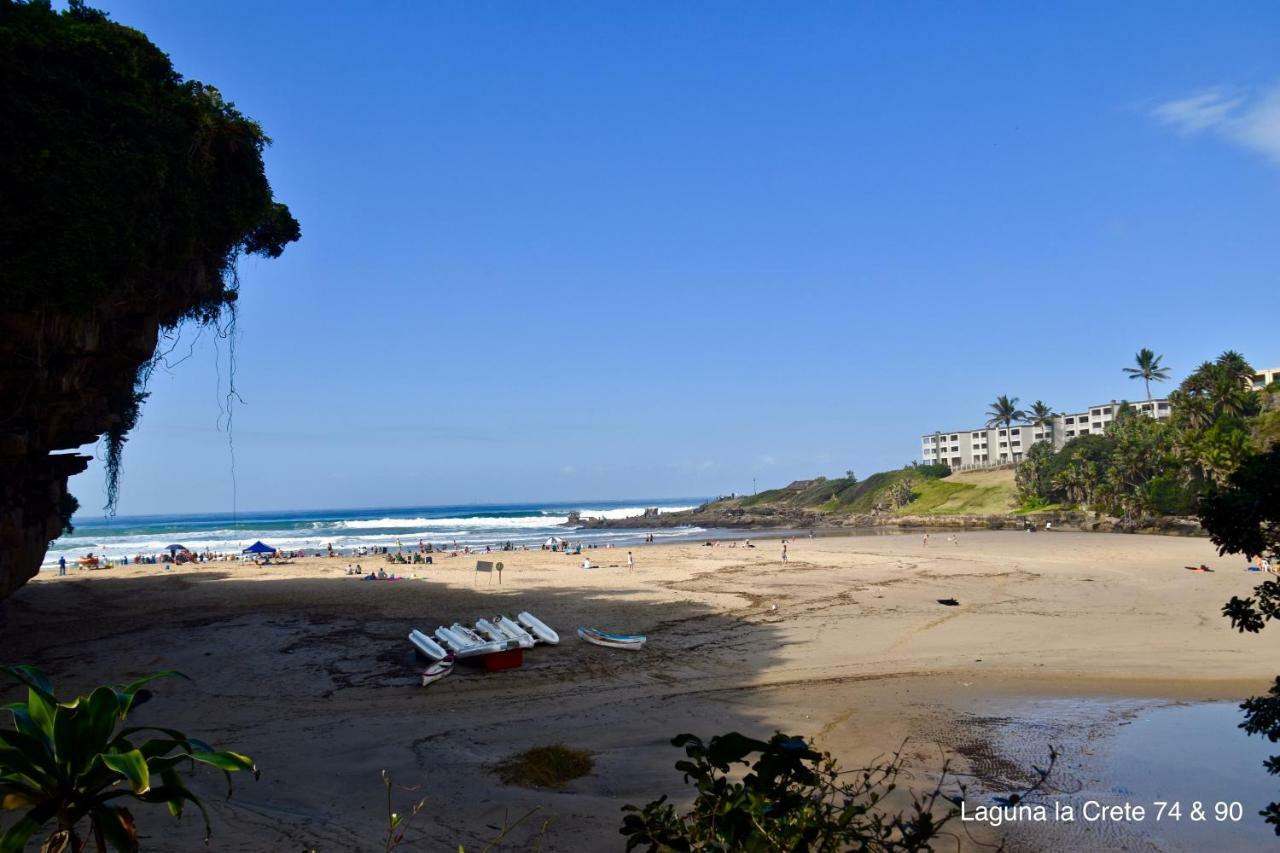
1235 366
1005 411
1148 369
1042 416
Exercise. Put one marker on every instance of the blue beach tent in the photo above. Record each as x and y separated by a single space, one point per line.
259 548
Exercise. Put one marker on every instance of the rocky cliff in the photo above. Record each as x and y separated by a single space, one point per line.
66 381
128 194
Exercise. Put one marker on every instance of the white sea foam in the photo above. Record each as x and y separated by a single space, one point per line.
626 512
491 522
475 531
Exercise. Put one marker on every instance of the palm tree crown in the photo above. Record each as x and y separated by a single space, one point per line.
1005 411
1148 369
1040 415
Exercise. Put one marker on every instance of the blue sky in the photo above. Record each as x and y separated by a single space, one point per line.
594 250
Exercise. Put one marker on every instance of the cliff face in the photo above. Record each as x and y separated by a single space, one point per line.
65 381
128 194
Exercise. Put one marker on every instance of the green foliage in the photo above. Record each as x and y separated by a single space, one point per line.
1032 479
67 506
1170 494
127 189
68 762
545 766
791 798
1242 516
121 180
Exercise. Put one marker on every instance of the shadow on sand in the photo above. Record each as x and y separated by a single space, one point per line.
314 677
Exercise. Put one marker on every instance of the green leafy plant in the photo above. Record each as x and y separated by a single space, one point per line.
792 798
1243 517
67 762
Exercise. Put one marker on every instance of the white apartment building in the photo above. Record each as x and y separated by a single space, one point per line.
978 448
1263 378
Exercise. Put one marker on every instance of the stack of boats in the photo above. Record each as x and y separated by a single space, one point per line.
499 643
486 637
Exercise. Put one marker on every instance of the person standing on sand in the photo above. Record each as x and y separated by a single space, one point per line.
62 566
925 541
784 550
631 562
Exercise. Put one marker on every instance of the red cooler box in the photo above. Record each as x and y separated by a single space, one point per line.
510 659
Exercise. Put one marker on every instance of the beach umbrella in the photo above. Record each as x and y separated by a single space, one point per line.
173 549
259 548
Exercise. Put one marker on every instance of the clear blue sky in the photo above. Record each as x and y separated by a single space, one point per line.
592 250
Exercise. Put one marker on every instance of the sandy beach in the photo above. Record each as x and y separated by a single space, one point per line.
309 671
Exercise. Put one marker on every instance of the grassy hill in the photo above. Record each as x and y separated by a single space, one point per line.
936 493
965 493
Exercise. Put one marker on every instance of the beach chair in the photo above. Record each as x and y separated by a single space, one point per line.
487 566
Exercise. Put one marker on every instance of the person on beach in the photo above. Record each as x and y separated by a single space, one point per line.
631 562
62 566
784 550
586 562
925 541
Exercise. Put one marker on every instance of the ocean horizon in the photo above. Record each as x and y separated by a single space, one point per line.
476 525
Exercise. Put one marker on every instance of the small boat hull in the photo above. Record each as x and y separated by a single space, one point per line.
437 670
612 641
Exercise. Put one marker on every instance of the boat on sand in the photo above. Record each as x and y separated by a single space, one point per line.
537 628
438 670
426 646
612 641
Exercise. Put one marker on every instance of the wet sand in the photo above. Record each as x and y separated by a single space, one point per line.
309 671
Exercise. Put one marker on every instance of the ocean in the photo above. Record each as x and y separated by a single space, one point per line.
473 524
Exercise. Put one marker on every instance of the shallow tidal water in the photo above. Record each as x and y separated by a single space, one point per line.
1119 756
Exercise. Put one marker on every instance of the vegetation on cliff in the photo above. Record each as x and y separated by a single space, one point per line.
1146 467
130 193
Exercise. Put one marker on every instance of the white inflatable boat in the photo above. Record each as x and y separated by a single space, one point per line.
465 643
535 626
426 646
504 630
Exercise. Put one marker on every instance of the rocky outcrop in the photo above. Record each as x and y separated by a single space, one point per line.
128 194
730 515
66 380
